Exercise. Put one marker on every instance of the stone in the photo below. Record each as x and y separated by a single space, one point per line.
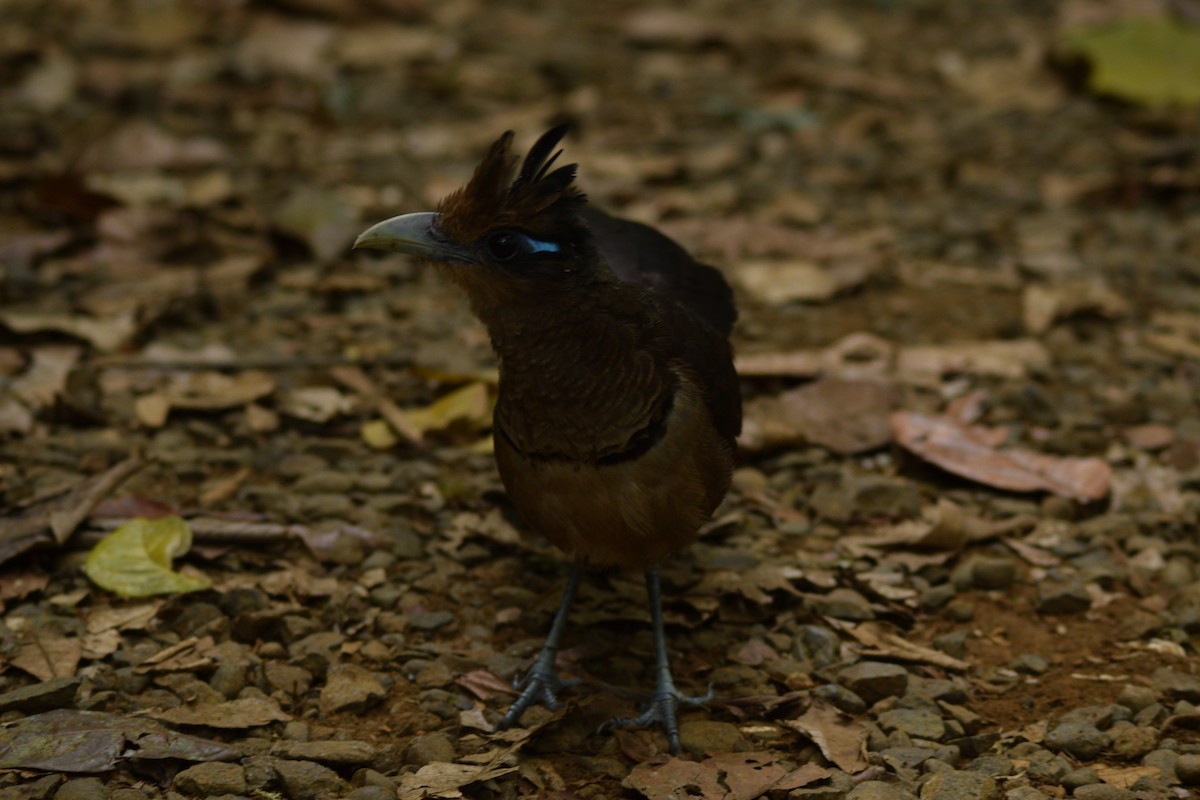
350 753
993 572
993 764
878 790
1030 664
844 604
228 679
43 696
1135 698
308 780
371 793
430 620
1177 684
429 748
1025 793
874 680
1165 761
936 597
1187 769
841 698
1079 739
1104 791
212 778
349 687
35 789
1069 597
1083 776
819 646
1134 741
83 789
702 736
956 784
917 723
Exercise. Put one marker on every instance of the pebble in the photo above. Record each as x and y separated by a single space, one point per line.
307 780
371 793
228 679
1079 739
1084 776
1187 769
1178 684
1135 698
430 620
878 790
1030 664
429 748
212 778
1024 793
1134 741
936 597
350 753
351 688
993 764
993 572
845 604
294 681
842 698
702 736
1069 597
83 789
1104 791
956 784
874 680
917 723
819 646
1166 761
43 696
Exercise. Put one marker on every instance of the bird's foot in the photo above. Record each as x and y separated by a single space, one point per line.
663 708
540 686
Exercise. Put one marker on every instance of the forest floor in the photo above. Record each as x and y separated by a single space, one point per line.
960 557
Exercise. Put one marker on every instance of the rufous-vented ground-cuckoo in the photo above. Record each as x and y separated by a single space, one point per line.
618 402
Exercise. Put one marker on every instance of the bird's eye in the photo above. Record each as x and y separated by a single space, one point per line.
505 245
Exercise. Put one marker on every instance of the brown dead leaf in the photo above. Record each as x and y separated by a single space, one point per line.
1124 777
46 376
846 416
484 685
858 355
53 519
1174 333
961 450
315 403
780 282
125 617
1005 359
185 656
106 334
247 712
216 391
47 654
1043 305
840 739
882 640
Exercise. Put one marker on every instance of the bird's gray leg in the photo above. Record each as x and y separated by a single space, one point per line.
541 683
664 706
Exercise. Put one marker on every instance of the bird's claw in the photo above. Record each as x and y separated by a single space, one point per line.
538 687
663 708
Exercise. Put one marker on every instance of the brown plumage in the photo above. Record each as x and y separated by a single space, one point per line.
618 403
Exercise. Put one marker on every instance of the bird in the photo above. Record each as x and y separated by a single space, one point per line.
618 405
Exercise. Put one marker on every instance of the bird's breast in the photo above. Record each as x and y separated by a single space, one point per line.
630 512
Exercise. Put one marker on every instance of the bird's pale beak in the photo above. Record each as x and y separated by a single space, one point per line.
415 234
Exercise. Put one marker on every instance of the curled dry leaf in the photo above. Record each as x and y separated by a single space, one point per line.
961 450
846 416
839 738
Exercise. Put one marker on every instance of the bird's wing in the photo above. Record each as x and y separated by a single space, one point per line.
637 253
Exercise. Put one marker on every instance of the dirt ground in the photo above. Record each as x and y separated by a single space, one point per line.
969 336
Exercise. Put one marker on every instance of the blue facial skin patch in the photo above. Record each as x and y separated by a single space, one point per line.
536 246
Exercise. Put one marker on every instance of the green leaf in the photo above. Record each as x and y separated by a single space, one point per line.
135 559
1155 62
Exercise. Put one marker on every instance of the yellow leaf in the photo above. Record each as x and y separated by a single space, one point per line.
378 434
135 559
1151 61
470 405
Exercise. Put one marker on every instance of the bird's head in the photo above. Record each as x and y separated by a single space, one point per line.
508 235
